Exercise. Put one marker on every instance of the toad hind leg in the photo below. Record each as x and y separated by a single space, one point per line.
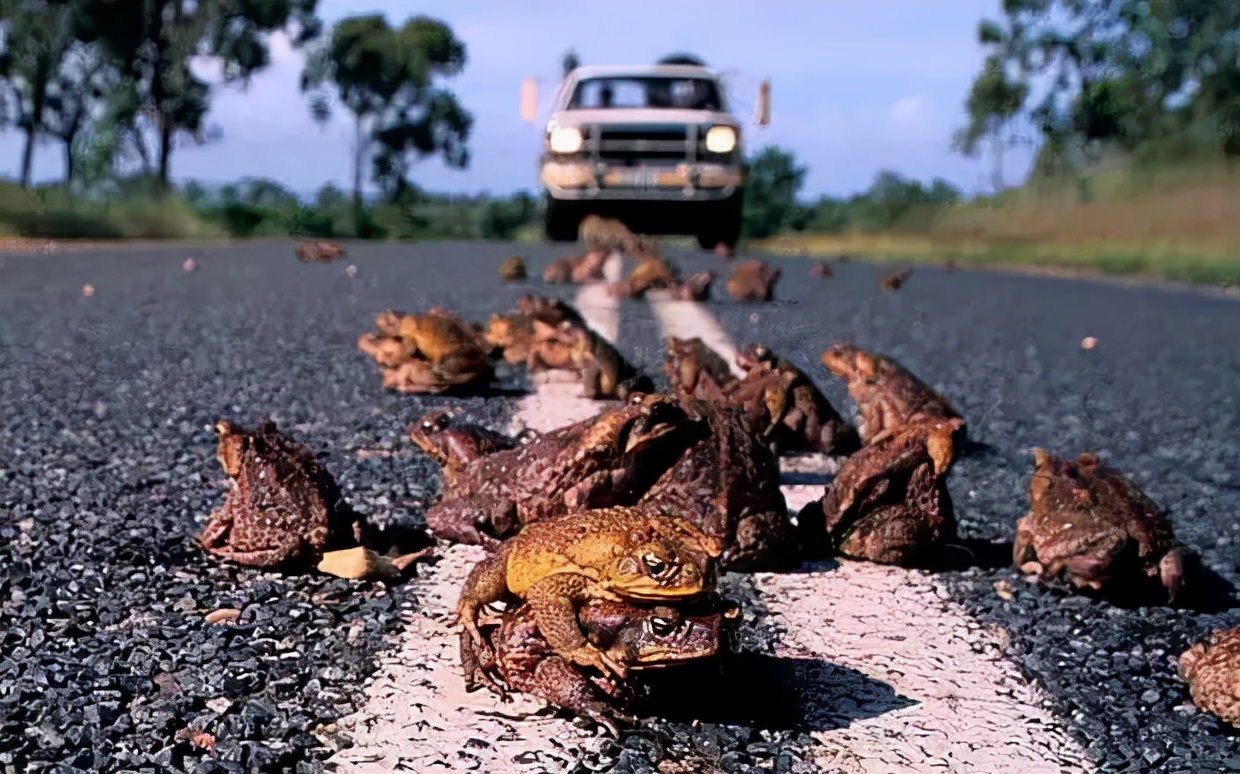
487 582
289 547
560 683
553 601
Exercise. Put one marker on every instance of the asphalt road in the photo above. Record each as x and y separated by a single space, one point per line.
107 469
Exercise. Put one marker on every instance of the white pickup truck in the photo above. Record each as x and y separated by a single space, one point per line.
652 145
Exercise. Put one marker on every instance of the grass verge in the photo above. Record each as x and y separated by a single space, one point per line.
1189 234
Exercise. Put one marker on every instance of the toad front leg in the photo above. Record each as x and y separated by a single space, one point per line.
553 601
217 527
486 583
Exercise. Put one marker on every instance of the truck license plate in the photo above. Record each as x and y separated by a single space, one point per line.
638 178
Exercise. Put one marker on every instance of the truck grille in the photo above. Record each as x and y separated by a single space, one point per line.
631 145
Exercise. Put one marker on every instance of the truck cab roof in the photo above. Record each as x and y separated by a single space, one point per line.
641 70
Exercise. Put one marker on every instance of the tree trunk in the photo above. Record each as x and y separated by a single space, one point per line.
357 175
68 161
32 131
28 156
165 153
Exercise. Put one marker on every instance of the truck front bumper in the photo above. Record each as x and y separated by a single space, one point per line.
595 181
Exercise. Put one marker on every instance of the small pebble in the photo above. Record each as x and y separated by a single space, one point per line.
88 290
189 265
1089 342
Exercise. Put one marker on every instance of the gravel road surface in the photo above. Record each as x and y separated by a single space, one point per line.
107 469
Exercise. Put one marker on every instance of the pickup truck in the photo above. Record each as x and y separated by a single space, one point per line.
654 146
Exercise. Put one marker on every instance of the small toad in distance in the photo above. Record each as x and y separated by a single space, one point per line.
1088 522
753 281
561 340
319 252
512 269
430 352
896 280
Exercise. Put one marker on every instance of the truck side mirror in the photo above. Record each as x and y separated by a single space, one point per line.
762 108
529 99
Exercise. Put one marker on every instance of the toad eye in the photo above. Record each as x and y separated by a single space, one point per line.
657 567
662 627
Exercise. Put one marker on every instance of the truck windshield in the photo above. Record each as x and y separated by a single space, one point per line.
647 92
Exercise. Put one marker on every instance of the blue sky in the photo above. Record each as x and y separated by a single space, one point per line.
856 87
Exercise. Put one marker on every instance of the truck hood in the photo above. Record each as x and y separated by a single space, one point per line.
622 116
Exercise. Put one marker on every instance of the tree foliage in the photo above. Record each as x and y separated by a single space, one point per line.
387 78
770 195
153 42
37 37
1125 74
569 62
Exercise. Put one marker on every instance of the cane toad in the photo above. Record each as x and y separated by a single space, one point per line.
727 484
430 352
695 287
889 502
319 252
562 343
282 507
753 281
799 415
641 637
604 460
886 393
696 370
512 334
1212 670
558 272
454 446
653 272
611 554
895 280
439 336
607 235
512 269
1090 523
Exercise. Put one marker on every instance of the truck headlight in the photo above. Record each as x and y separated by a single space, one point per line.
720 139
566 139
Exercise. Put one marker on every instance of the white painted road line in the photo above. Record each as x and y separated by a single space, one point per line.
973 710
417 716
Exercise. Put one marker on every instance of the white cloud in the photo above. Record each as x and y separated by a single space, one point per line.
908 109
